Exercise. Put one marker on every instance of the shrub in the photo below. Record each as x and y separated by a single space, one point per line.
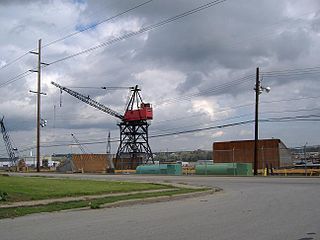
3 196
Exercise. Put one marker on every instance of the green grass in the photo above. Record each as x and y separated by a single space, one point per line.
94 203
38 188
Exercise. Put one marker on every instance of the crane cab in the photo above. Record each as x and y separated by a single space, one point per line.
143 113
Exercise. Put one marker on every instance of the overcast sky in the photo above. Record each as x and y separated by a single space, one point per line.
198 71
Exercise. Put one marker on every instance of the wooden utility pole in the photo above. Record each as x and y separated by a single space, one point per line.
108 144
38 92
256 124
38 105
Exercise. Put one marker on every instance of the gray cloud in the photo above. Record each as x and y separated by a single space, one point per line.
193 79
190 56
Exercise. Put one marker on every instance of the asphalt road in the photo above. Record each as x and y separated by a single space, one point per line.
248 208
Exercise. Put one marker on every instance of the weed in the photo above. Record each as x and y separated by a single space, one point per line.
3 196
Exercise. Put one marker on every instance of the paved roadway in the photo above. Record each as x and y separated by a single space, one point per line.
248 208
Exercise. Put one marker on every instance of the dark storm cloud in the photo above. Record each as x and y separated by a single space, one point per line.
193 79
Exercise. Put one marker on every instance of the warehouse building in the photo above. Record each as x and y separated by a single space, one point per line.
271 153
86 163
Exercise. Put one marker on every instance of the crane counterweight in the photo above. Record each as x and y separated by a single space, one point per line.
143 113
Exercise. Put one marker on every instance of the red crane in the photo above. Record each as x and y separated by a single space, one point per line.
134 124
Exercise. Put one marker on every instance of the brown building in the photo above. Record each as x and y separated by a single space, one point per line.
271 152
90 163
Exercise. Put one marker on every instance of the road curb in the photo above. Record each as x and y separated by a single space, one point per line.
131 202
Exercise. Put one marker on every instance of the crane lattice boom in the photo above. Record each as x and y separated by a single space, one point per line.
90 101
79 144
6 138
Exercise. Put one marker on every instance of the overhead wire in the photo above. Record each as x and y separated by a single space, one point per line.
301 118
141 30
188 126
292 70
96 24
238 116
15 78
243 106
235 108
13 61
292 73
76 32
289 100
215 89
245 115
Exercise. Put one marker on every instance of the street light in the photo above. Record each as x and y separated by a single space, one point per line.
258 89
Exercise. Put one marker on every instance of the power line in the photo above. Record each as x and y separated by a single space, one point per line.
16 78
299 117
101 88
154 136
311 118
14 60
225 119
289 74
77 32
143 30
238 107
96 24
291 111
290 100
215 89
292 70
282 119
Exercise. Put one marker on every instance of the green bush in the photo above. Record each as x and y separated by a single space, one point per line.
3 196
94 205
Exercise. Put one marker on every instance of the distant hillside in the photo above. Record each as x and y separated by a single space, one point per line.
185 156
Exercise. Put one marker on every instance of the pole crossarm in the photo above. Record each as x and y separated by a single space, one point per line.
89 101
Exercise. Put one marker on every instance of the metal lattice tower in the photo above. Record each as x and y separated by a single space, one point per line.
12 152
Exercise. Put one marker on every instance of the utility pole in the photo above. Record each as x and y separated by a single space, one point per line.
108 144
258 89
256 125
38 92
38 105
305 158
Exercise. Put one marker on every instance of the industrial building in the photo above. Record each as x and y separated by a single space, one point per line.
271 153
85 163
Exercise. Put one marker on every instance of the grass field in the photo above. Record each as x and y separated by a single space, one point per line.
94 203
38 188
